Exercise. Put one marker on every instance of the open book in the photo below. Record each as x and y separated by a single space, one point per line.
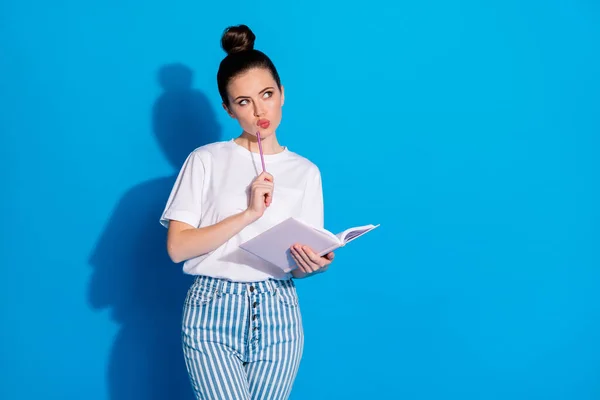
274 244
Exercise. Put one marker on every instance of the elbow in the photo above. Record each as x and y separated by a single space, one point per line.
174 252
176 259
180 249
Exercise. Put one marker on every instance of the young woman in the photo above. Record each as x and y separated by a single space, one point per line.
242 329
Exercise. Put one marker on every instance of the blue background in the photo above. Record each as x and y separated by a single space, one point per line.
469 130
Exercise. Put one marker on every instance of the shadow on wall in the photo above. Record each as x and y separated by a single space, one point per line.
132 273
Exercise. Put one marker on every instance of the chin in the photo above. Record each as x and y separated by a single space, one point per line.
264 133
267 133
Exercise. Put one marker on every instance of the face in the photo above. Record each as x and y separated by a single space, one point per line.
255 101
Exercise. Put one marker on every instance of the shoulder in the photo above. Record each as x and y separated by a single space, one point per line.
206 153
305 163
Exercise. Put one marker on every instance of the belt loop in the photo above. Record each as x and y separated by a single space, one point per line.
218 286
272 286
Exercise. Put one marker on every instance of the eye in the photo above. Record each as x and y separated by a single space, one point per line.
243 102
267 94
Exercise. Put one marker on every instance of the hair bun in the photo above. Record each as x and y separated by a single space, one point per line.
237 38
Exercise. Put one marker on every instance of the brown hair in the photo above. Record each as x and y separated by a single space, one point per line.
238 43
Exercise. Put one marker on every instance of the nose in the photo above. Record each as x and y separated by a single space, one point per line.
258 109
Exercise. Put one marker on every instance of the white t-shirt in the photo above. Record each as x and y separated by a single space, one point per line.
212 185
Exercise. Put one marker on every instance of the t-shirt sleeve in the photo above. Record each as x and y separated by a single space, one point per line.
185 201
313 206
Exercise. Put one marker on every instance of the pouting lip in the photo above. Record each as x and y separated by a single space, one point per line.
263 122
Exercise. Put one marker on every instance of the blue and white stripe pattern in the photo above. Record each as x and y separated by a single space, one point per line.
242 340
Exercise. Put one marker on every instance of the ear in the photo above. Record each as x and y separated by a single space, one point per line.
227 110
282 95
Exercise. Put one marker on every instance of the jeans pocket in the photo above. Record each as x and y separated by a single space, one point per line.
200 295
287 295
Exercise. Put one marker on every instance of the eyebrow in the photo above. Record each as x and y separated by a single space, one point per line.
247 97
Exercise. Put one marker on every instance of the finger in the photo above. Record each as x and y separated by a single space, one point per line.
265 176
304 261
267 193
263 189
264 184
321 261
268 198
299 261
301 266
307 261
313 256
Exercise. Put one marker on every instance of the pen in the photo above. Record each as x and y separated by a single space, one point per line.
262 158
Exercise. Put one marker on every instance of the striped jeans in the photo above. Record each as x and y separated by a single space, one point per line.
242 340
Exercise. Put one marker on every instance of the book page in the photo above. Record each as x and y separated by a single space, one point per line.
352 233
355 234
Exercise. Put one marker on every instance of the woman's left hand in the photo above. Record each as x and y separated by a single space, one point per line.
309 262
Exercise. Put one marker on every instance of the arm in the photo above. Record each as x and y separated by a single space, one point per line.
185 242
183 212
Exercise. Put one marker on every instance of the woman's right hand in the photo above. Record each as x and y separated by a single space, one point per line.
261 195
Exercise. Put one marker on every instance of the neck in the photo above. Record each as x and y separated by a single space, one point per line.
270 145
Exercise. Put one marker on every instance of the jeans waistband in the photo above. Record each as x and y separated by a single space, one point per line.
231 287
